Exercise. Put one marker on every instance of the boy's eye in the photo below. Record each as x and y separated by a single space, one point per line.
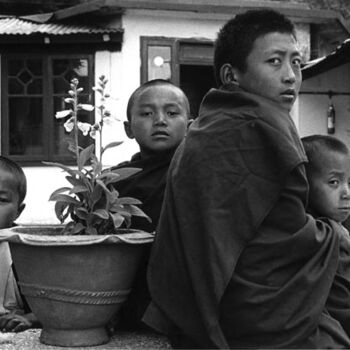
333 182
275 60
146 113
172 113
297 61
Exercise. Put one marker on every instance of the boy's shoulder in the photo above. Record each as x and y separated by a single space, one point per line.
135 158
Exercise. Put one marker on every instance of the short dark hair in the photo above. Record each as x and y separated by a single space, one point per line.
314 145
154 82
236 38
19 177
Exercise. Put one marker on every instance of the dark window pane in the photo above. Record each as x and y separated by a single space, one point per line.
64 70
60 86
25 77
60 66
15 66
15 87
26 126
35 87
35 66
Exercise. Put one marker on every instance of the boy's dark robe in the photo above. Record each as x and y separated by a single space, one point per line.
338 303
148 185
236 261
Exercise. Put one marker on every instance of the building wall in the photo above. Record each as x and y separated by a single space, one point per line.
313 108
123 71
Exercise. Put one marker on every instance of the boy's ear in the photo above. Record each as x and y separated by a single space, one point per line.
20 209
228 75
128 130
189 122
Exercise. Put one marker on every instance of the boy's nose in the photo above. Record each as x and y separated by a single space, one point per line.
346 191
289 75
159 118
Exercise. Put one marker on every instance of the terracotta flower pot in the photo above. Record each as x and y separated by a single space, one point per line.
74 284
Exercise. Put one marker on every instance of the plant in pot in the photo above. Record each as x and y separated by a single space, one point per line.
76 276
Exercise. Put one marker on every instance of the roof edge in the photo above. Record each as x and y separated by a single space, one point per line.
297 11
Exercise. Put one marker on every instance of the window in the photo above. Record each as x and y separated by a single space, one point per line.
34 88
157 58
187 63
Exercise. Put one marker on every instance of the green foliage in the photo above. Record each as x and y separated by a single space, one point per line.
91 202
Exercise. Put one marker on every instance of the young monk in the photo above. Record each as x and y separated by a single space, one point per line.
237 262
14 313
158 116
328 173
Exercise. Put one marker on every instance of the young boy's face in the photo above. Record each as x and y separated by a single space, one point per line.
9 200
159 119
330 187
273 69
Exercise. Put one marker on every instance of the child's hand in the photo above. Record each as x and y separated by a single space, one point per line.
15 323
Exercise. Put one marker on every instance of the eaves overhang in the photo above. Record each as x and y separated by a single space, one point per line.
338 57
296 11
39 30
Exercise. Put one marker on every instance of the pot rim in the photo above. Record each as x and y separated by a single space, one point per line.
20 234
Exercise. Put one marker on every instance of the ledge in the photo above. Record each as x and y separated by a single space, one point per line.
29 340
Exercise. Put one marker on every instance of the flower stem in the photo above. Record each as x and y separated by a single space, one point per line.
75 116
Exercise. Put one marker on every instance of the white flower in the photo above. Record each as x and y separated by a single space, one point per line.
84 127
69 124
108 120
63 114
94 129
86 107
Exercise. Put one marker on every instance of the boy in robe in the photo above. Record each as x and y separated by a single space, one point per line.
237 262
157 118
328 173
14 312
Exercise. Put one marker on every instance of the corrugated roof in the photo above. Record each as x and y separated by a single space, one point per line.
339 56
20 26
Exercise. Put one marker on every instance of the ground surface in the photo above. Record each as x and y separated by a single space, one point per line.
123 340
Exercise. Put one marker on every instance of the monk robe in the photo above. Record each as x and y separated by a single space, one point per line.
338 303
10 298
148 186
237 262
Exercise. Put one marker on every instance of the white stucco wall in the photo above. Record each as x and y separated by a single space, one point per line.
123 71
313 108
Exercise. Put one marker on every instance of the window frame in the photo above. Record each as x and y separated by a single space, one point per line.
47 107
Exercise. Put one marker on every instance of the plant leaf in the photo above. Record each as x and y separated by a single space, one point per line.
64 198
102 213
125 172
96 165
75 181
136 211
77 228
67 169
104 187
78 189
81 213
84 155
108 177
96 195
110 145
128 201
59 209
91 231
118 219
59 190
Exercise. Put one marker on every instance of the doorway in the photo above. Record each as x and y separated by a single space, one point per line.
196 81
